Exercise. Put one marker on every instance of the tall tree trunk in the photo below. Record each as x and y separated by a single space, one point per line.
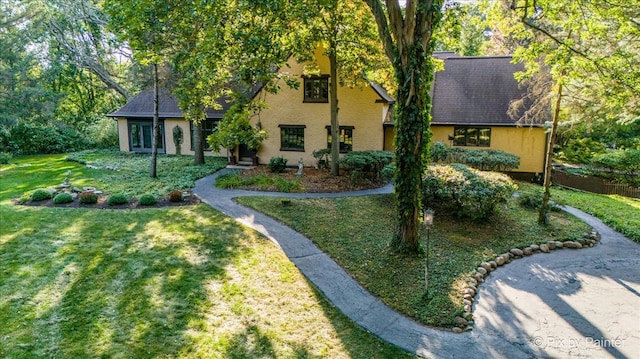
543 215
333 99
409 48
198 143
156 127
412 134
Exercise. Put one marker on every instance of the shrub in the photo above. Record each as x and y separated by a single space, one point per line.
533 201
102 133
439 152
484 160
581 150
277 164
32 138
366 164
283 185
40 195
5 157
387 172
88 198
229 180
175 196
117 199
147 200
471 193
625 161
323 157
62 198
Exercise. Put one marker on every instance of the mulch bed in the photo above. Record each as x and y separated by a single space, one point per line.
313 180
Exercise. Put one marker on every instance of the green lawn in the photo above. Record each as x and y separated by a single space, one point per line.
620 213
179 282
356 231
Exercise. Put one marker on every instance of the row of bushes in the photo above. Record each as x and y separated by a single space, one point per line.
484 160
92 198
467 191
37 138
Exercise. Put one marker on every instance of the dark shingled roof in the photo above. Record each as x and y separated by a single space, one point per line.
382 92
141 106
475 91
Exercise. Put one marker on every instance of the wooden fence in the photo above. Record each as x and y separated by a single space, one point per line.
594 184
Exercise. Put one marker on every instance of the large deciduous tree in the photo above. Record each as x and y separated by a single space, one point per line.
407 34
352 46
144 25
590 49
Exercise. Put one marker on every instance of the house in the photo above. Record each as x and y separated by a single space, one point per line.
470 101
469 109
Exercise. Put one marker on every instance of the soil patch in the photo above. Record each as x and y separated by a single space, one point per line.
313 180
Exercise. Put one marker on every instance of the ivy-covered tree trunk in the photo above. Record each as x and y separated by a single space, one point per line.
406 34
412 135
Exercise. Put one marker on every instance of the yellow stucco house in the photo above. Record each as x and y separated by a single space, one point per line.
470 101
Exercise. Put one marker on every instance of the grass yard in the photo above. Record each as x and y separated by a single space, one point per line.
182 282
356 231
620 213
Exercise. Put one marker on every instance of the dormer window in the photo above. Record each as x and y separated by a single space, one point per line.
316 89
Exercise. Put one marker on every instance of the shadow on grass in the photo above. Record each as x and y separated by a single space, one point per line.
103 283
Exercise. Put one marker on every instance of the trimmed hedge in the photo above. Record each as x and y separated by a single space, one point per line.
468 191
117 199
367 164
62 198
484 160
40 195
147 200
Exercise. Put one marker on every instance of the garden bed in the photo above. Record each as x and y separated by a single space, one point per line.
312 180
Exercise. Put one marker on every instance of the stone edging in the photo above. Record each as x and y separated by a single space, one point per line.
465 322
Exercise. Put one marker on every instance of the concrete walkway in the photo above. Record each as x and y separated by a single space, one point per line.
566 304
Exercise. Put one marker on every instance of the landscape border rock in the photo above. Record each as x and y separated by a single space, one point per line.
465 321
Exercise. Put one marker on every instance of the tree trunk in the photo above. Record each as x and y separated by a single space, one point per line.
412 134
198 143
543 216
156 127
333 99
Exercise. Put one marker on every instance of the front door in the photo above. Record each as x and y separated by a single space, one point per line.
141 136
245 153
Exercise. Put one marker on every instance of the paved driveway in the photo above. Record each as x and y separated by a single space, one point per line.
566 304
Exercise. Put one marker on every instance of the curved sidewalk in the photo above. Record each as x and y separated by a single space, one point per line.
568 303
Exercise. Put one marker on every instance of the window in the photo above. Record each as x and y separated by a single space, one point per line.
316 89
346 138
472 136
292 137
141 136
208 126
